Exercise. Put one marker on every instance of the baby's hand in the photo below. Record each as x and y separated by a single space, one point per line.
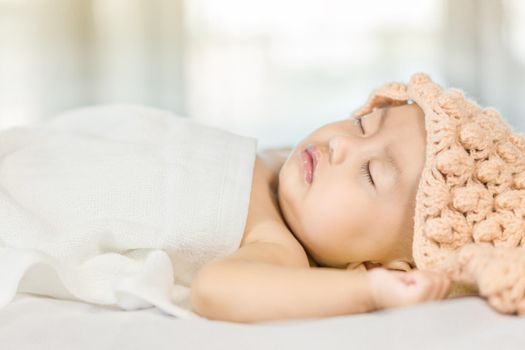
396 288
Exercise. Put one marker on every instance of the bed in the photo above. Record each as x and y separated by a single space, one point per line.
35 322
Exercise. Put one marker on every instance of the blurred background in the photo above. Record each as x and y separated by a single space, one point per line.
270 69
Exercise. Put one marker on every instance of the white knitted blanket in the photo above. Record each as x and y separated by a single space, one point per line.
119 205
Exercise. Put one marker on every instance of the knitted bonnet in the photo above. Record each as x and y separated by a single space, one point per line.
470 204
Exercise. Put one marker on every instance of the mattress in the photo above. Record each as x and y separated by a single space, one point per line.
34 322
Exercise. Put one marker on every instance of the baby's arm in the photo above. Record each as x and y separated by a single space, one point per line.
266 281
262 282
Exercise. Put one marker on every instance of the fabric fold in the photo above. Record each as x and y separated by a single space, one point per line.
119 205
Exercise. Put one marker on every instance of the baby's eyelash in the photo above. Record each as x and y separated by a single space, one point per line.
365 169
360 123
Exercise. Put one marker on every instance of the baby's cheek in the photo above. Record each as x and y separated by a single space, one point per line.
327 224
385 175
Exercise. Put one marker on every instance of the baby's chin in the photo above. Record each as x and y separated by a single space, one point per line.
286 213
283 209
287 203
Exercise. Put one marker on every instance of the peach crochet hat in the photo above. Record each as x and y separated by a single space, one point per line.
470 205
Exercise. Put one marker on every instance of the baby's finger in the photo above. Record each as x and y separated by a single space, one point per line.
446 287
422 288
441 284
430 286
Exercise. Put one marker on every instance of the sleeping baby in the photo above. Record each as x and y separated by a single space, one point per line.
342 203
418 197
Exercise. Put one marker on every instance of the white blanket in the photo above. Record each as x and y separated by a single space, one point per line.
119 205
32 322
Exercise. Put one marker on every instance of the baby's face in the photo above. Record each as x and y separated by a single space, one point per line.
343 217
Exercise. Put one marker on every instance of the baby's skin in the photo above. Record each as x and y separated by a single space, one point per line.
333 242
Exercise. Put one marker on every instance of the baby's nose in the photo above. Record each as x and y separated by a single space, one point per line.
339 148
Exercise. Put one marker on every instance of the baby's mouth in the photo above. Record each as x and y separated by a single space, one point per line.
309 158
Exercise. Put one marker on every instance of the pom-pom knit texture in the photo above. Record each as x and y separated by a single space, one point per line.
470 205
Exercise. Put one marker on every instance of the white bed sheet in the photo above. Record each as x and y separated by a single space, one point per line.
33 322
